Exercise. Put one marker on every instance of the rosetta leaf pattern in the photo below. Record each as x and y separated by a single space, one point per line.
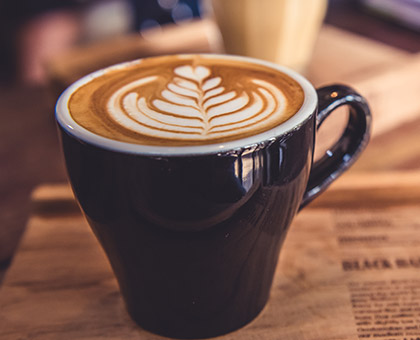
193 88
195 105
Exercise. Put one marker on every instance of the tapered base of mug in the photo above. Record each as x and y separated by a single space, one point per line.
194 329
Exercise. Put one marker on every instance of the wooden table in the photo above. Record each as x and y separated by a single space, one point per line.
360 235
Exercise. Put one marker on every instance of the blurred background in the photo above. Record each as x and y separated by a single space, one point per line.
34 32
47 44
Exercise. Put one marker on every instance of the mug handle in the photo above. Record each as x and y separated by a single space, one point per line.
340 156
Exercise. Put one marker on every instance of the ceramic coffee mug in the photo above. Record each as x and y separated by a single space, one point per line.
190 169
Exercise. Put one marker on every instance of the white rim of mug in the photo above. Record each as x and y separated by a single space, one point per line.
66 121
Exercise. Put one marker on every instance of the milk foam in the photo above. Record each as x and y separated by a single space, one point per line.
185 100
195 105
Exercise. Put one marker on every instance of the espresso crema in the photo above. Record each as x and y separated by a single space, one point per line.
185 100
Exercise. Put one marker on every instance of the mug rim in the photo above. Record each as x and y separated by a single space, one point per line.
65 120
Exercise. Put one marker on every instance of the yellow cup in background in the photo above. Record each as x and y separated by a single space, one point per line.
281 31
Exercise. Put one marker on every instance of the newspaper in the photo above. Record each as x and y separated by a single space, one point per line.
351 273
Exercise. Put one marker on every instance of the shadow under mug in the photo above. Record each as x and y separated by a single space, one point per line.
193 234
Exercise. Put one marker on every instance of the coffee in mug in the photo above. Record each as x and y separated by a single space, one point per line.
185 100
190 169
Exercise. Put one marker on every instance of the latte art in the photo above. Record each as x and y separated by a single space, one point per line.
194 105
187 101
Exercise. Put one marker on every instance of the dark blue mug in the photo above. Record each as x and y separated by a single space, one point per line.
193 234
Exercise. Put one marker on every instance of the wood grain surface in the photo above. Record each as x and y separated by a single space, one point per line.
60 285
385 76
